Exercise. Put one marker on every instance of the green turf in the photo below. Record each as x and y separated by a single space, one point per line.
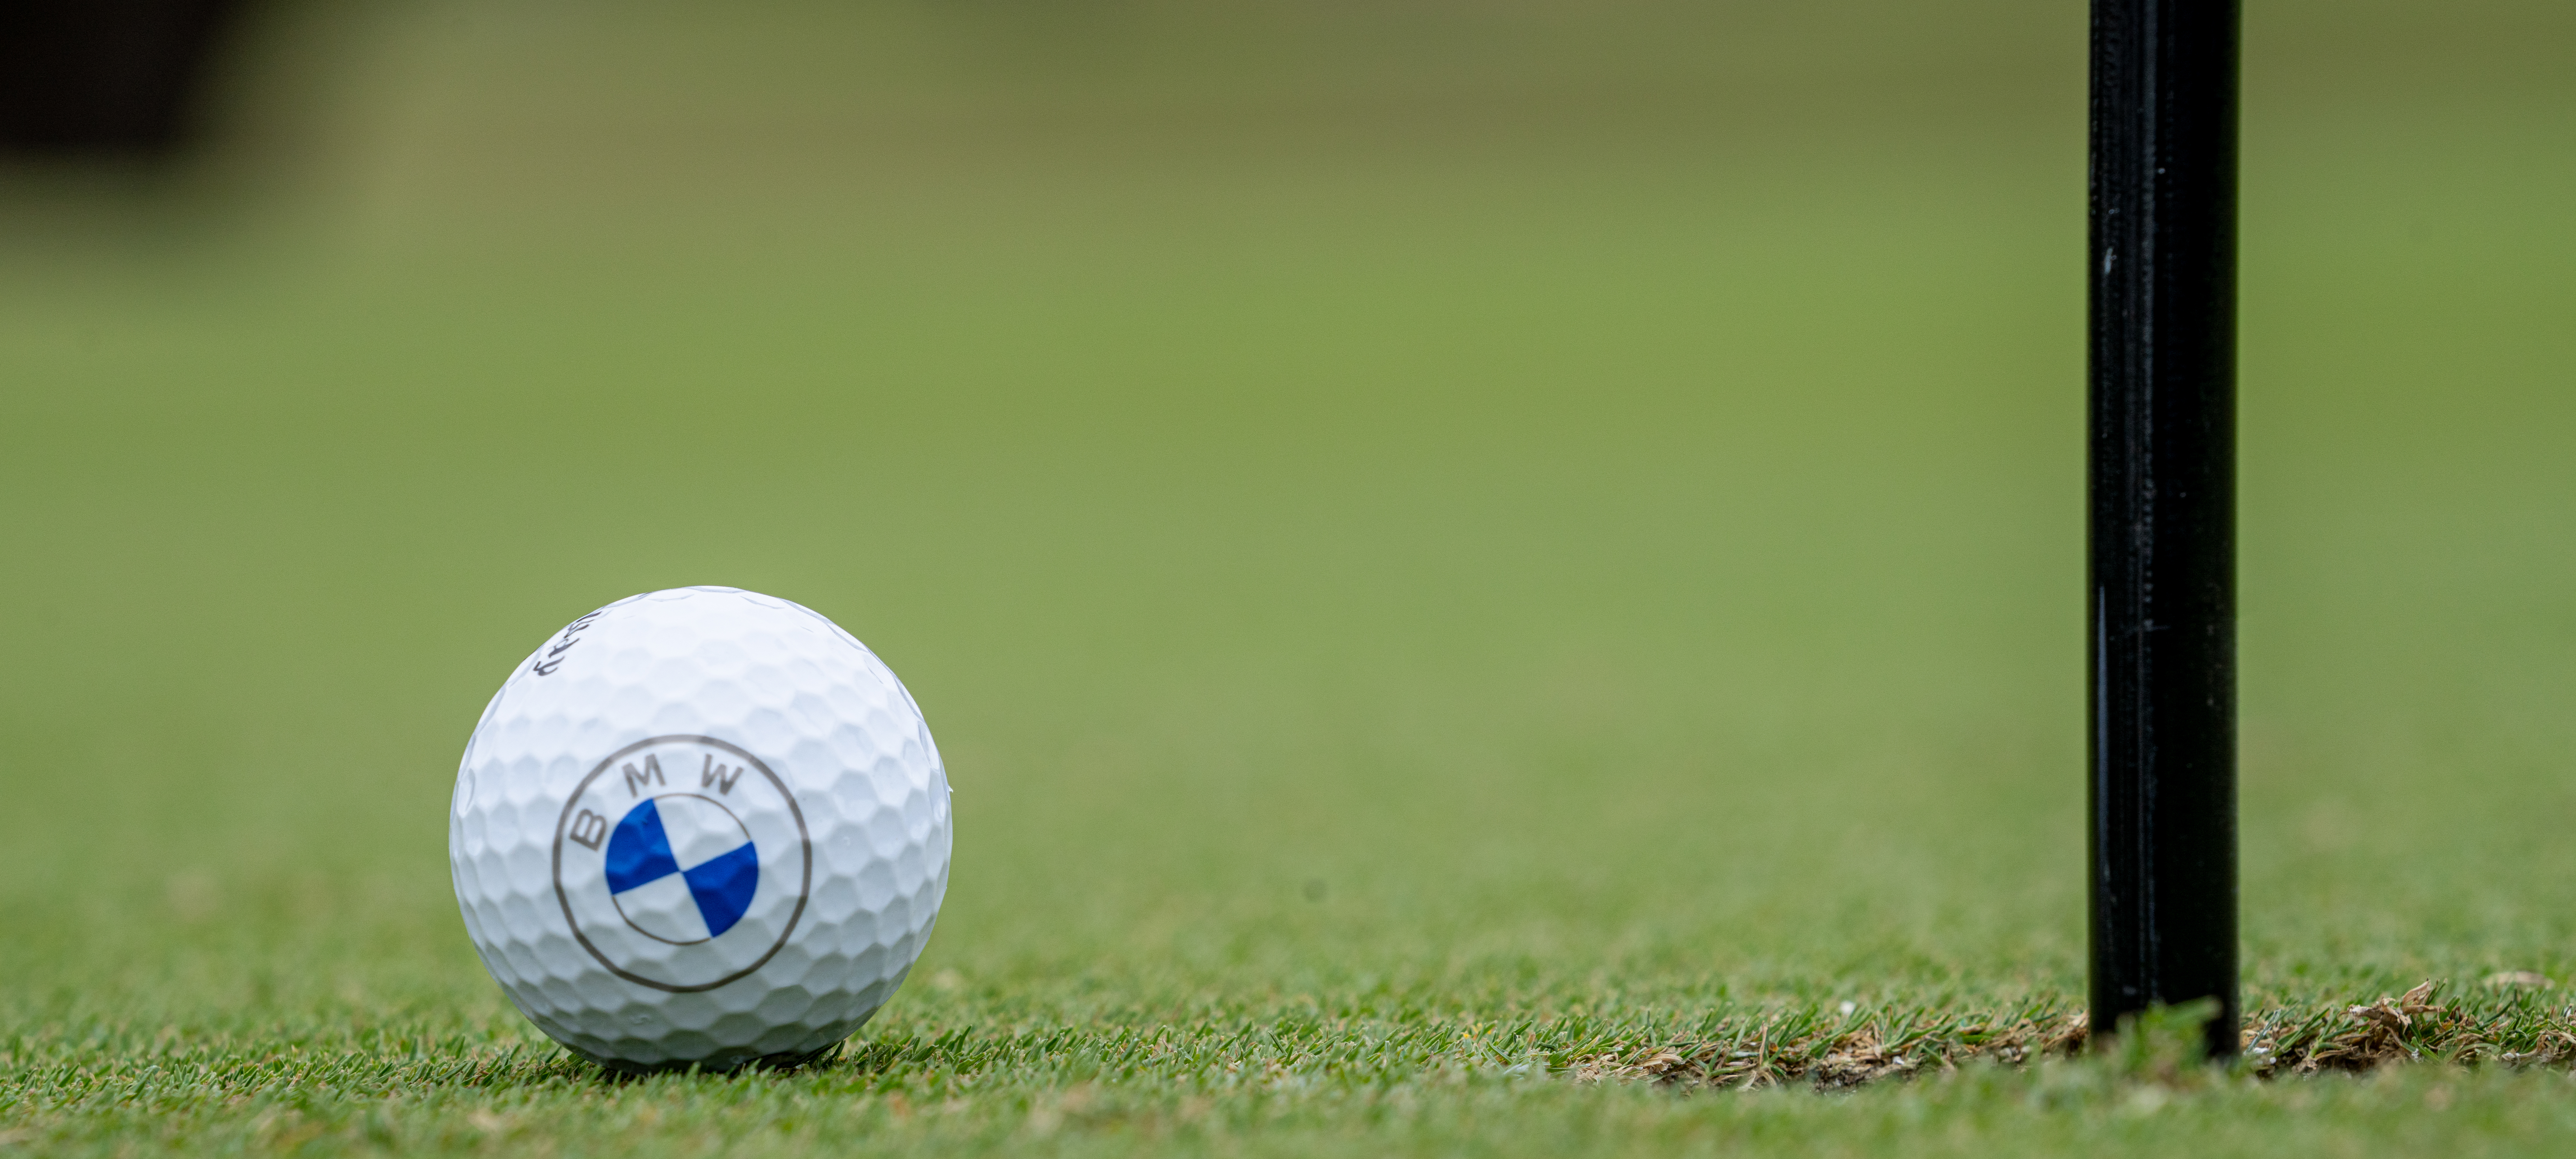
1447 552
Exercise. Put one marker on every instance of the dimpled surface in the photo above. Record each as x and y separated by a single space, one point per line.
700 827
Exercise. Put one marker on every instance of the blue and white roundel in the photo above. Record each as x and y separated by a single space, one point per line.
682 868
682 863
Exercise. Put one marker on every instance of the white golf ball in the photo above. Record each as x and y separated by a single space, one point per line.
700 827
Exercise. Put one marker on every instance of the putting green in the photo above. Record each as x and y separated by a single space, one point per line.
1445 555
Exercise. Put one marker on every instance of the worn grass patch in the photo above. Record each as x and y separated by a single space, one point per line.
2512 1021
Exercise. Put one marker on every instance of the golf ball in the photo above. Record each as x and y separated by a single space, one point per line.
700 827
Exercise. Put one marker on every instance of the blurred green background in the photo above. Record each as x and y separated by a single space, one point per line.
1514 504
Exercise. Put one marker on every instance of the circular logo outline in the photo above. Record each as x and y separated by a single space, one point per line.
804 845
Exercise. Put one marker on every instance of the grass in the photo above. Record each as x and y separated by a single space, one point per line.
1471 592
1301 1082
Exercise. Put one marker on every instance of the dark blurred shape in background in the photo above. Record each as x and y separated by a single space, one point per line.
123 78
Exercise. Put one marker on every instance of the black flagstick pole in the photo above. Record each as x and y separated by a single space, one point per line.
2163 504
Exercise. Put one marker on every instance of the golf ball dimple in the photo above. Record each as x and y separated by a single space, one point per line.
700 827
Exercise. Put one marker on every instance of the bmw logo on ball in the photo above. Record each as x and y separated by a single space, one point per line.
682 883
701 827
